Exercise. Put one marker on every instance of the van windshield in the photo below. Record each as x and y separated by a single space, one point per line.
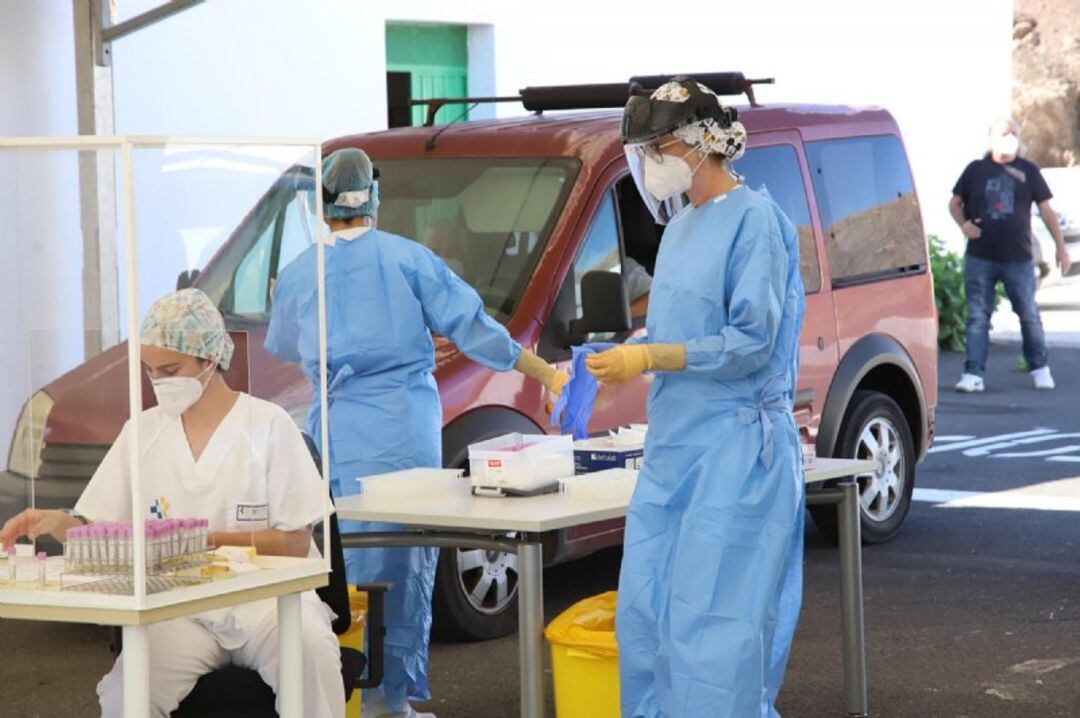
488 218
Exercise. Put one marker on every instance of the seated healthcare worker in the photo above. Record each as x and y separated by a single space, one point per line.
385 294
711 579
213 453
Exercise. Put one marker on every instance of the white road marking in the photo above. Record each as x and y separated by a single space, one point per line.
1045 452
1011 499
1042 666
986 449
953 437
961 445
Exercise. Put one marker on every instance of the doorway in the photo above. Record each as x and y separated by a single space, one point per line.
424 61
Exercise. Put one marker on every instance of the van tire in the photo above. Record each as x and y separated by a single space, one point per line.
879 414
454 616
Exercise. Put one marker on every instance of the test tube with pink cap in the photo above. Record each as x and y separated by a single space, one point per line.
112 539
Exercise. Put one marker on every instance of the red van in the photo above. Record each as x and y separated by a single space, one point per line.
523 209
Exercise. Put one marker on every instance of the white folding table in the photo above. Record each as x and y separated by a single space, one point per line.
280 577
515 525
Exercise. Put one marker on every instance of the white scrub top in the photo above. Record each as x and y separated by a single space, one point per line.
255 473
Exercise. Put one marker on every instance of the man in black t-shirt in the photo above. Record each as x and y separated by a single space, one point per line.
992 205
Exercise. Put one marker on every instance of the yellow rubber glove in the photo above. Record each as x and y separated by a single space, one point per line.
625 362
536 368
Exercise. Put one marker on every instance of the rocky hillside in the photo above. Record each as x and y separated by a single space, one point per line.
1046 79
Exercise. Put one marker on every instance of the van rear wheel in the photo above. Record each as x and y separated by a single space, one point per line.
875 428
475 595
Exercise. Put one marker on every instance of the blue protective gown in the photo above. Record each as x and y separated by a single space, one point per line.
384 293
711 581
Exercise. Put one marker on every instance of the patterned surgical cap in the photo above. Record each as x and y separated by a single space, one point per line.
189 323
705 135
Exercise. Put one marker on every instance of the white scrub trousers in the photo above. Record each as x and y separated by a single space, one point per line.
183 649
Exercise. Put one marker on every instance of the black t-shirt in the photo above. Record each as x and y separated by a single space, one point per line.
1001 195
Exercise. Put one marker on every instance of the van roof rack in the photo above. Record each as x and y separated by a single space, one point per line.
599 96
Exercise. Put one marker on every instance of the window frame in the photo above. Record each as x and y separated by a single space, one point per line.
795 142
870 277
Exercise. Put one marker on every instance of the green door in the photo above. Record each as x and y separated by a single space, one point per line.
433 60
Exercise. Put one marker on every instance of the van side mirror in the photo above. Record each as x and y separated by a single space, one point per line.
186 279
604 306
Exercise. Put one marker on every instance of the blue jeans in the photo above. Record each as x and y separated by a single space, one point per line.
980 283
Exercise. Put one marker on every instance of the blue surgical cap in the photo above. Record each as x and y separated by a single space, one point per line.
349 179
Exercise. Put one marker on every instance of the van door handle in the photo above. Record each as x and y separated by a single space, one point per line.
820 343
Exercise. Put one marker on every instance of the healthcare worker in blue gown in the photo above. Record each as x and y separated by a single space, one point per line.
711 581
385 294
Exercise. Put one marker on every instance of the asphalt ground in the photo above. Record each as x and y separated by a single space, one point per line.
972 611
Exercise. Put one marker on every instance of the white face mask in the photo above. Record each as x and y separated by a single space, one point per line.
668 178
1005 145
177 394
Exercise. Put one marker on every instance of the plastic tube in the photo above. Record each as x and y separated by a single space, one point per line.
90 548
112 539
42 557
8 572
151 546
190 529
177 542
126 550
69 549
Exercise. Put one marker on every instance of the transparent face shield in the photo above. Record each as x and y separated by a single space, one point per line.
662 210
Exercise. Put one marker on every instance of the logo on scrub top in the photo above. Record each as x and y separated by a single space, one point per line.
160 508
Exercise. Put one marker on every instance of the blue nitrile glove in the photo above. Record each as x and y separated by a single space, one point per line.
575 404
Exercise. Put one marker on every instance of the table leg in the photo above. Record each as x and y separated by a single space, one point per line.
291 660
531 628
851 601
136 671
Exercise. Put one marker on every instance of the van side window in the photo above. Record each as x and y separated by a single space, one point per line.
600 251
776 169
869 214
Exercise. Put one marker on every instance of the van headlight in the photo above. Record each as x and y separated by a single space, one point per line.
26 445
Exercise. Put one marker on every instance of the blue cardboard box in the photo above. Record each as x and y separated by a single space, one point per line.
600 454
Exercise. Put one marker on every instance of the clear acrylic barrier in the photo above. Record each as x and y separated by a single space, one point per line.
224 217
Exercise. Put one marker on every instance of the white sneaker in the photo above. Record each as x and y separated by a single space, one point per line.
375 706
970 383
1042 378
411 713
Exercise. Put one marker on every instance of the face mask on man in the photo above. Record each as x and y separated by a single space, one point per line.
668 176
1005 145
177 394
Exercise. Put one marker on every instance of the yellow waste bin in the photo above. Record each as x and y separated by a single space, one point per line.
354 638
585 659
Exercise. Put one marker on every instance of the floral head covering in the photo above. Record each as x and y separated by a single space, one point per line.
705 135
189 323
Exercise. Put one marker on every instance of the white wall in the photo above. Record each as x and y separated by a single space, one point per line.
282 67
40 241
942 67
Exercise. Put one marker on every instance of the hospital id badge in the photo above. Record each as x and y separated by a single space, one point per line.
246 515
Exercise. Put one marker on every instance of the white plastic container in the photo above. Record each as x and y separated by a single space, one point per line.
413 483
604 486
521 462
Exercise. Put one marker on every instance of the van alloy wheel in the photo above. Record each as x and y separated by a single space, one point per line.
881 491
875 427
488 579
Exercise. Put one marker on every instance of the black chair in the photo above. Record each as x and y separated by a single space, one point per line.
234 692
